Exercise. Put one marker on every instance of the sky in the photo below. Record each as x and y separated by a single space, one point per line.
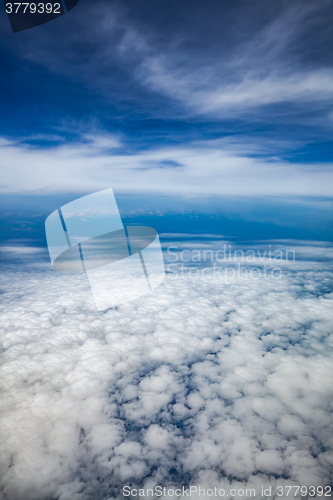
212 123
154 88
220 101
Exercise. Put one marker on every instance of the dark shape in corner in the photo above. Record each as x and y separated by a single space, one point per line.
24 16
70 4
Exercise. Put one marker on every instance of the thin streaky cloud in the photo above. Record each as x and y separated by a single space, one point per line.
99 161
240 72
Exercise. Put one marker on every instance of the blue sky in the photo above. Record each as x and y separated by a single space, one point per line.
204 105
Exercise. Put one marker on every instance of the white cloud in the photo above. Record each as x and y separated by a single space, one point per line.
203 382
264 69
210 93
224 167
233 74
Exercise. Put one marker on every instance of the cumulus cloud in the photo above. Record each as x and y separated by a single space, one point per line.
223 167
206 382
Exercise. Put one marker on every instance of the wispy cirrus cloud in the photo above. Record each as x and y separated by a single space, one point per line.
243 96
223 67
266 69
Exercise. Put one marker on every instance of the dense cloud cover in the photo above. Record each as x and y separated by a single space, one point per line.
205 382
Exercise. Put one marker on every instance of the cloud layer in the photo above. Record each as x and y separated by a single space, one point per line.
206 381
223 167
